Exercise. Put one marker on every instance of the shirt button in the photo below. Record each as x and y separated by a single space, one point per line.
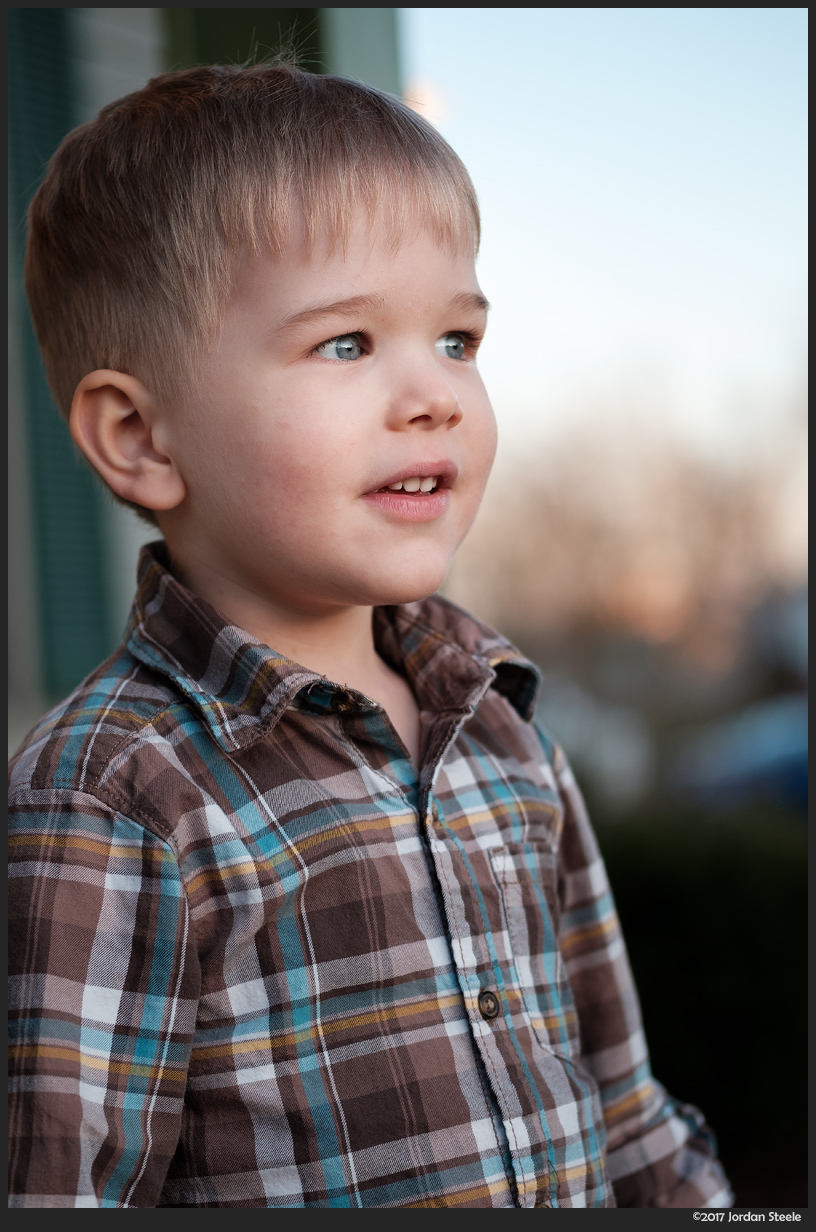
489 1006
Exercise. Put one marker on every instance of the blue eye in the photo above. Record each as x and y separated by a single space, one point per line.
347 346
452 346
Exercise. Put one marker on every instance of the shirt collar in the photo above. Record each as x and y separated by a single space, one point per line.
241 687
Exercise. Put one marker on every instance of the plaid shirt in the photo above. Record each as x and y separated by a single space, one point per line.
257 962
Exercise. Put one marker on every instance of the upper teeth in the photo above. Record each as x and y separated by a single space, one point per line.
416 484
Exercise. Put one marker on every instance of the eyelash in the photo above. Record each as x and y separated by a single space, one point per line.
471 339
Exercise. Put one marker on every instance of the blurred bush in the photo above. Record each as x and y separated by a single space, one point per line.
715 916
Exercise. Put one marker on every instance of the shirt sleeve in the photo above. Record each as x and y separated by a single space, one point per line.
660 1153
104 986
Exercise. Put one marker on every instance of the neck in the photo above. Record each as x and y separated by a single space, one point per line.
337 643
339 646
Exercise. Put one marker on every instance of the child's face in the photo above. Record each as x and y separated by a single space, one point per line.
335 376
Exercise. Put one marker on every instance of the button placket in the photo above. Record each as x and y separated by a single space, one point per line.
485 1038
487 1000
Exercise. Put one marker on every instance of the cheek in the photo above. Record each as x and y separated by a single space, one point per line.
286 485
479 455
254 445
491 437
482 440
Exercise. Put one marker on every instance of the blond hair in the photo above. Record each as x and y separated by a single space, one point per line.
134 232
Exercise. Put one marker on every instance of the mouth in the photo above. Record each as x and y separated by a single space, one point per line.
418 493
419 481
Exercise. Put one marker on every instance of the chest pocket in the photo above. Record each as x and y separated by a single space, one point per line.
527 879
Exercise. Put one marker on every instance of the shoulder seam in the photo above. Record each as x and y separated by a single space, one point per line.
132 736
94 780
136 815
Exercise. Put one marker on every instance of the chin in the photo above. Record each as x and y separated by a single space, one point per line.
407 585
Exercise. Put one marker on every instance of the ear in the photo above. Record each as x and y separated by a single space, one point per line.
116 423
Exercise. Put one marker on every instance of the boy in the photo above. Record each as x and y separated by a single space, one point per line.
307 913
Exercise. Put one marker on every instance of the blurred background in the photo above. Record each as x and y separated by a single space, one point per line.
642 179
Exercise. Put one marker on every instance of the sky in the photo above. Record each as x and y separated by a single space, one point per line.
641 175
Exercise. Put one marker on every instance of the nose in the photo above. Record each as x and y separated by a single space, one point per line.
425 399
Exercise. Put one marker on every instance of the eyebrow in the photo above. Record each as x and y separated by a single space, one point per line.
464 301
468 301
355 303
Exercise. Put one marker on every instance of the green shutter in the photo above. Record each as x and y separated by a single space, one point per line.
236 36
66 501
363 44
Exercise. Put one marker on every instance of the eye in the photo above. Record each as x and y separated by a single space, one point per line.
347 346
452 346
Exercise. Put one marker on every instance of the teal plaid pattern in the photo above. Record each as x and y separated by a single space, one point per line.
248 942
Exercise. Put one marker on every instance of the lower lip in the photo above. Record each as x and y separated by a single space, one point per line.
407 507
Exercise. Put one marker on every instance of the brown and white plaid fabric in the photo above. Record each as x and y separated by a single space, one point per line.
256 962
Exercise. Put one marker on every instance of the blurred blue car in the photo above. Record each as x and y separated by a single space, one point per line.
760 753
